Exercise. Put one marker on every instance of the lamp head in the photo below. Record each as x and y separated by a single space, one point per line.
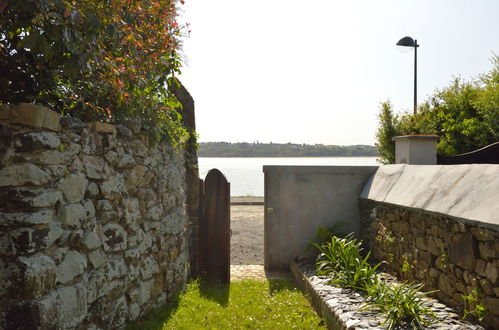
407 42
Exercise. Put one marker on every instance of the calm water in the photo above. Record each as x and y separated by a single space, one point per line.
246 174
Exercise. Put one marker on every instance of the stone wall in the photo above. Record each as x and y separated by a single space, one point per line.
93 223
416 219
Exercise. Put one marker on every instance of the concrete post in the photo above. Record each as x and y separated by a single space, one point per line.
416 149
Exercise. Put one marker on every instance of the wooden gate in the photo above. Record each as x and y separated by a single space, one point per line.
214 228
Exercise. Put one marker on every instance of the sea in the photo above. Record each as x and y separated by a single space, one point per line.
245 174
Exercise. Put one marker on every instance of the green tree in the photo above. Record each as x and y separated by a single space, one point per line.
464 114
93 59
487 100
387 129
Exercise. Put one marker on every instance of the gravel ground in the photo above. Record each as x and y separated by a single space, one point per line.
246 223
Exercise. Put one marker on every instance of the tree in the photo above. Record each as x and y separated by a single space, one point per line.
464 114
93 59
387 129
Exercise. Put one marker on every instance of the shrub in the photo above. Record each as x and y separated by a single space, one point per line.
465 115
401 303
93 59
341 258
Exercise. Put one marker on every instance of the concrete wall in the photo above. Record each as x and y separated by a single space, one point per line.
438 225
298 199
93 223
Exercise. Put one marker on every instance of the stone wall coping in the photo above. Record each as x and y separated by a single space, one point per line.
416 137
41 117
469 192
351 169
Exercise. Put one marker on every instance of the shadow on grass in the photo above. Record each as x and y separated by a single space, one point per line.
278 285
155 319
215 291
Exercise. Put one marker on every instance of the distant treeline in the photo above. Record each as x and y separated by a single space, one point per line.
256 149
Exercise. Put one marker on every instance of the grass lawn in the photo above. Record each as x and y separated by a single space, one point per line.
273 304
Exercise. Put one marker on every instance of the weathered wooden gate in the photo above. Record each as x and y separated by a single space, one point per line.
214 227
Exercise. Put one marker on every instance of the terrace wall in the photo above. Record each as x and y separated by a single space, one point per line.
93 222
438 225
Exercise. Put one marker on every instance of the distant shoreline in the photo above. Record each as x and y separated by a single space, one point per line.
262 150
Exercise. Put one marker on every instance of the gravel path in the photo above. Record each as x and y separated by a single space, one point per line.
246 223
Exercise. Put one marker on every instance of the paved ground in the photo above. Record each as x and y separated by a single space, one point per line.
254 272
247 234
246 253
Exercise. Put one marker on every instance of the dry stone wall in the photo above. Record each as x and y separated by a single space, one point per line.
93 223
445 254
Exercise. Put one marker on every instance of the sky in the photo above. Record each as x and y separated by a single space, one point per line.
316 71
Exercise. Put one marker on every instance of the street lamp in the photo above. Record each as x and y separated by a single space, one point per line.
409 42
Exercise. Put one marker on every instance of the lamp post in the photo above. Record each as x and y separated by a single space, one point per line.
409 42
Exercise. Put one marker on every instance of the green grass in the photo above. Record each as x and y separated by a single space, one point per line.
273 304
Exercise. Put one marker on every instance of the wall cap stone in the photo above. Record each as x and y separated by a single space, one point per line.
468 192
33 115
102 127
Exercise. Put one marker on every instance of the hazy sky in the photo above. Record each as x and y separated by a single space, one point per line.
315 71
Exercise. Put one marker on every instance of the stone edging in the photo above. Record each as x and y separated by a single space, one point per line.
340 306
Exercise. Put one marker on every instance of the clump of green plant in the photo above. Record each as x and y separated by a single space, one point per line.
341 257
444 259
406 266
401 303
472 306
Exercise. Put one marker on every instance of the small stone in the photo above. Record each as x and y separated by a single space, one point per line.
74 264
461 287
126 161
28 240
36 218
463 250
483 234
102 127
92 240
492 305
97 258
487 287
487 250
137 176
95 167
480 267
52 157
93 189
111 157
116 267
71 123
37 274
113 187
104 205
115 237
73 214
351 323
492 271
73 187
123 130
149 268
36 140
88 207
133 124
18 175
72 306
